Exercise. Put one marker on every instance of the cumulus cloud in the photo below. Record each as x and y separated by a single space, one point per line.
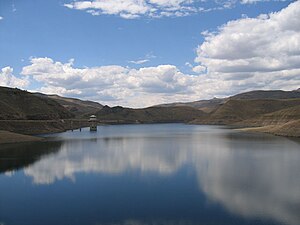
117 85
265 49
246 183
111 84
9 80
142 61
131 9
199 69
244 55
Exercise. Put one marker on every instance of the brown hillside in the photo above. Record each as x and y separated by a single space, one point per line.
22 105
78 107
238 110
149 115
289 129
211 105
274 118
271 94
207 106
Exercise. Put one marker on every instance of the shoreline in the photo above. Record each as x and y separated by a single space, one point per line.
25 134
290 129
38 127
7 137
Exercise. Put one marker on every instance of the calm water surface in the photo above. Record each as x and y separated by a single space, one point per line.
151 174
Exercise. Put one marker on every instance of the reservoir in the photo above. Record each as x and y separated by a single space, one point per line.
150 175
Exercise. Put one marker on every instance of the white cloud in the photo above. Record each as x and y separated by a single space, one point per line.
221 174
111 84
266 48
138 62
255 1
146 59
7 79
245 54
188 64
1 18
199 69
131 9
116 85
14 9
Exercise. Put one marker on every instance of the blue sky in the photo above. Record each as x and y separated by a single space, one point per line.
143 52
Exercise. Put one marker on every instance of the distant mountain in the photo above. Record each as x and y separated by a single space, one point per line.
212 104
279 111
276 116
79 108
205 105
277 94
237 110
148 115
16 104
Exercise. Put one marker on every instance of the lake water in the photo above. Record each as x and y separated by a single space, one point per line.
151 174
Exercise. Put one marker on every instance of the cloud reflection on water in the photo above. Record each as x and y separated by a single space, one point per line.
259 178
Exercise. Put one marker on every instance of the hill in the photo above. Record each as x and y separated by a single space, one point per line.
277 112
234 111
273 111
207 106
212 104
289 129
9 137
148 115
78 107
276 116
16 104
276 94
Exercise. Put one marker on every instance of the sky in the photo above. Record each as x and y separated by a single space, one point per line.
138 53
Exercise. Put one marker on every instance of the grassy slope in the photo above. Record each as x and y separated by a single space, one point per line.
289 129
206 106
149 115
238 110
78 107
28 113
280 116
16 104
9 137
41 126
211 105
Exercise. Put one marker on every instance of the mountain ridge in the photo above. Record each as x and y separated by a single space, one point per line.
78 107
250 109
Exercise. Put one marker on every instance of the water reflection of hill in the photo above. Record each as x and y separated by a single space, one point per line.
252 176
236 171
18 156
